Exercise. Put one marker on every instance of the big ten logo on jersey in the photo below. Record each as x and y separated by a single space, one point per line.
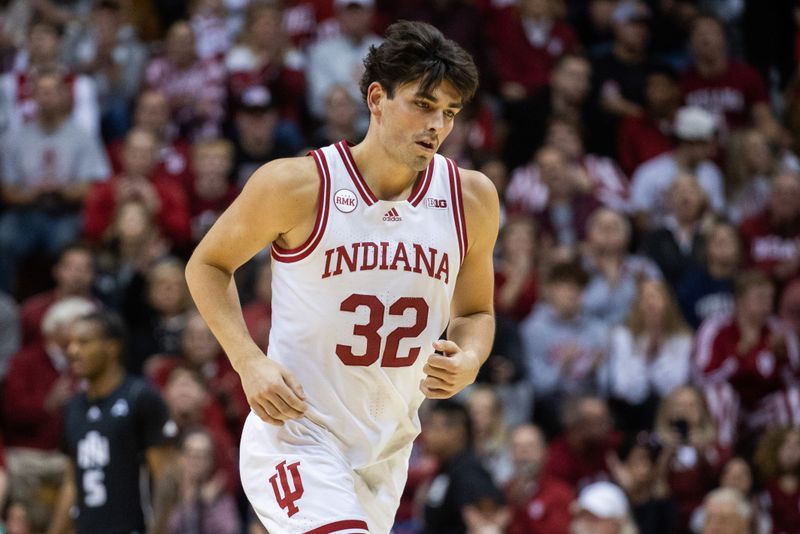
93 456
436 203
287 493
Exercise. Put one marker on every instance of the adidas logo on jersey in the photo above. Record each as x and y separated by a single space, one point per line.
392 215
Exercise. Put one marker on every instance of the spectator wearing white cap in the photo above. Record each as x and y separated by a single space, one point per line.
602 508
339 59
695 130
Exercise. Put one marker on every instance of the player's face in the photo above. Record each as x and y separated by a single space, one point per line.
413 124
88 351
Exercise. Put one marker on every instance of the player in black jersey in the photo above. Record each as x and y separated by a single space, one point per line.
110 430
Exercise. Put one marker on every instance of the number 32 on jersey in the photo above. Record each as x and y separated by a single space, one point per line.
369 331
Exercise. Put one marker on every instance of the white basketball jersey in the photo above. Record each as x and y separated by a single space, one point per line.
357 307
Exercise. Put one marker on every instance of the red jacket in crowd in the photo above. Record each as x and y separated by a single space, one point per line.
31 314
766 246
784 508
172 217
518 60
731 95
579 468
640 139
547 509
31 377
769 366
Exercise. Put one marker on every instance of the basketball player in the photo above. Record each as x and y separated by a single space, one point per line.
108 430
377 248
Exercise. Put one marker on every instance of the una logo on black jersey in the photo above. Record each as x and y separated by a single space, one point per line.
120 408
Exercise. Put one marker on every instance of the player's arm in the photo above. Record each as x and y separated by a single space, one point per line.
61 522
471 330
278 203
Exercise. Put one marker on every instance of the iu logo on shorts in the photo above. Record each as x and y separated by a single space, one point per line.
285 495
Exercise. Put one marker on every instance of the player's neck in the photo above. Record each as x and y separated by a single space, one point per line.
388 179
105 384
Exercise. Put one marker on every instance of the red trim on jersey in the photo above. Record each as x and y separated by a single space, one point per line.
422 186
358 180
455 197
339 526
296 254
461 209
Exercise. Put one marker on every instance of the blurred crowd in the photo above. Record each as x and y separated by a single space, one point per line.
646 371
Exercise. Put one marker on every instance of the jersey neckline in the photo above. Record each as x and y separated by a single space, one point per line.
417 192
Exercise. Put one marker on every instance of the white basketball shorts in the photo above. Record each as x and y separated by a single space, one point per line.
299 482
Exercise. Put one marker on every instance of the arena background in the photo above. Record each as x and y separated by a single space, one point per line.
647 270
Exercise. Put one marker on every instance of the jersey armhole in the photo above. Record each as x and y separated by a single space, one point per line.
323 205
458 207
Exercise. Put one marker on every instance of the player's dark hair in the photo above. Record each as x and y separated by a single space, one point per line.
418 51
455 413
570 272
110 324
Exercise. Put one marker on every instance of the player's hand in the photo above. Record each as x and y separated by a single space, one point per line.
449 372
272 391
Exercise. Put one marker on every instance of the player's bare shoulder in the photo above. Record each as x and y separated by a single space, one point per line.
278 203
481 206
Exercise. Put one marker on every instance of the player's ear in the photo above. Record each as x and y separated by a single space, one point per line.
375 97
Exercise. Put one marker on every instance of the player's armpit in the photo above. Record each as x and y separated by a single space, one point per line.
158 458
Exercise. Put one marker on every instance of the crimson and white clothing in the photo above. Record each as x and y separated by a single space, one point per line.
730 95
355 311
750 385
17 92
547 510
767 245
527 192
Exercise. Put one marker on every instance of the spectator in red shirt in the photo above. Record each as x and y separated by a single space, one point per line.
153 114
211 192
515 270
538 504
529 39
265 57
74 274
750 350
578 457
645 136
778 461
732 90
162 195
771 237
38 385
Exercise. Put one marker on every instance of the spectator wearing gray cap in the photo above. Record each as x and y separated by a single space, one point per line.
602 508
695 132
